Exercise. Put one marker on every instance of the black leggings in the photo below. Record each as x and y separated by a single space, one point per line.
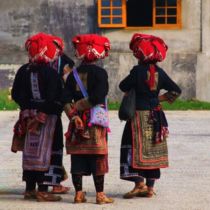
31 186
98 181
149 182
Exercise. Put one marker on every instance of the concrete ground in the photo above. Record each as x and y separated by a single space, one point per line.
185 185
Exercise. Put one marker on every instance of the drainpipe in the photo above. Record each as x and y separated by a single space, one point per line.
201 26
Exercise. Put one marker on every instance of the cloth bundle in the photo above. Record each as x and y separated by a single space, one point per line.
148 48
91 47
160 125
44 48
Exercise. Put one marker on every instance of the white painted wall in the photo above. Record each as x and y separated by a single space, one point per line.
203 65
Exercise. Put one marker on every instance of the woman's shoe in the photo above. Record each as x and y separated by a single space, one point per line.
47 197
30 195
101 198
80 197
135 192
60 189
148 193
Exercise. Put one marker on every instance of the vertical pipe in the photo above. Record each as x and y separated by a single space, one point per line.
201 26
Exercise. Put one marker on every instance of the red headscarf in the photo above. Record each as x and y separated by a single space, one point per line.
148 48
90 47
44 48
58 42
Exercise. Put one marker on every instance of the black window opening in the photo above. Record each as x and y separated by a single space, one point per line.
166 12
139 13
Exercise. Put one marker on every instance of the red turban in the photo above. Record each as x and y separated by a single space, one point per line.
44 48
90 47
148 48
58 42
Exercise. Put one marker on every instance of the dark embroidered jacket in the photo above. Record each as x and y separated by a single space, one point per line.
49 89
94 78
145 98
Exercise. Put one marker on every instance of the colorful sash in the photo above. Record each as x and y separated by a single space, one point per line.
146 154
38 147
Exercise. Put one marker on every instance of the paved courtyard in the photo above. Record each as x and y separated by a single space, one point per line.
185 185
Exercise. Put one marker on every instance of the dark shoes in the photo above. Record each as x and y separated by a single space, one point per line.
60 189
30 195
140 191
148 194
41 196
135 192
47 197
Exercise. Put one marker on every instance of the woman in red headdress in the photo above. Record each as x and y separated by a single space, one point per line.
37 89
63 66
144 146
87 143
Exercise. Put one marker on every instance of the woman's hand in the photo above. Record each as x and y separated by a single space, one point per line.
170 97
34 126
78 123
83 104
162 98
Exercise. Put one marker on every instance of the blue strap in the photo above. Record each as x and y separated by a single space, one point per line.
79 82
82 88
106 103
59 64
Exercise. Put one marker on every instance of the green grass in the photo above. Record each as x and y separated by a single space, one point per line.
187 105
177 105
7 104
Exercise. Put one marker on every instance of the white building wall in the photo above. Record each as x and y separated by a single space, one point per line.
184 45
187 61
203 64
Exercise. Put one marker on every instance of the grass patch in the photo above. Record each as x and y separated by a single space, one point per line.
187 105
177 105
5 102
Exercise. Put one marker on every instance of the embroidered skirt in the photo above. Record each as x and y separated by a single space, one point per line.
140 156
52 175
96 143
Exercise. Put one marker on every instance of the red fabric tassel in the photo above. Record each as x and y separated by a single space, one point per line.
151 80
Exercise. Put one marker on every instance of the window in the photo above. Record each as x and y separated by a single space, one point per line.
111 13
139 13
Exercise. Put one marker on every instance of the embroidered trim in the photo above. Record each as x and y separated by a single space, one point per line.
35 86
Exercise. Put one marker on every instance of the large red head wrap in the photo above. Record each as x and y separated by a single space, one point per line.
90 47
148 48
58 42
44 48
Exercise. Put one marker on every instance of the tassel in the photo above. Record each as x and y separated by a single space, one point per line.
108 130
89 124
151 80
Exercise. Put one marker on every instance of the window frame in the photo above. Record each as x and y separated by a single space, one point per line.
178 25
168 26
111 25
